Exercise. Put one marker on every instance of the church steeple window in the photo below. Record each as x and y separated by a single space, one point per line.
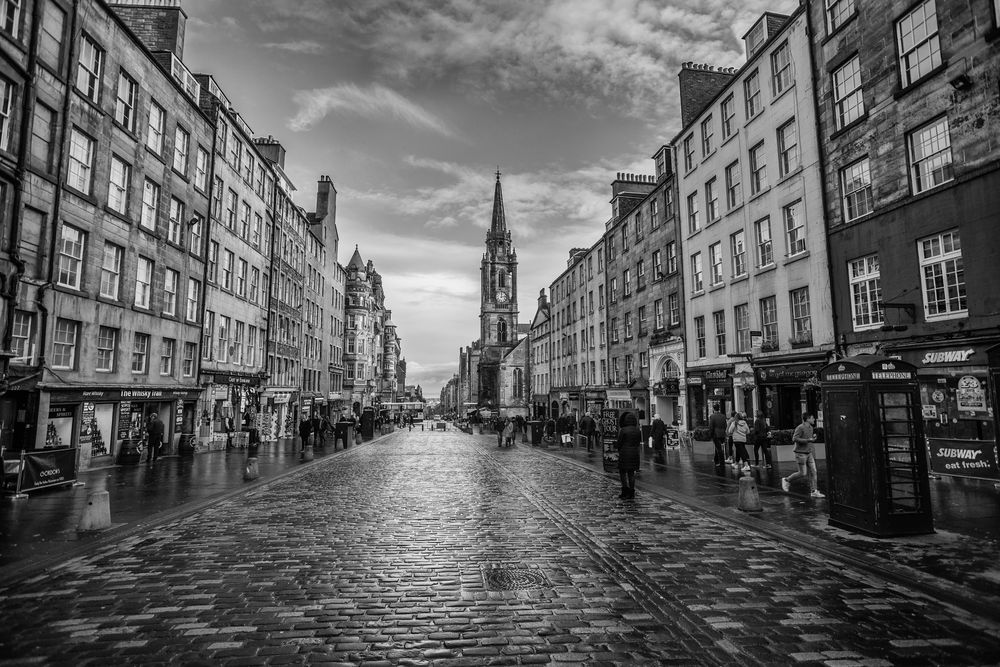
502 331
502 279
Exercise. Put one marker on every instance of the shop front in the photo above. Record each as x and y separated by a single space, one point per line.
667 381
706 388
958 403
232 404
788 389
278 416
103 422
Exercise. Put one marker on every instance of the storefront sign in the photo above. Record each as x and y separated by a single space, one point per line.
228 378
61 412
950 357
694 379
963 458
124 419
48 468
666 387
618 394
971 396
944 356
179 416
786 374
105 395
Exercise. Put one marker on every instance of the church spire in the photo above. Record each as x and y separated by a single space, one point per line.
498 228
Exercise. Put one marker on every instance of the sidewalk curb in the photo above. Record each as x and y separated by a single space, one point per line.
942 591
18 571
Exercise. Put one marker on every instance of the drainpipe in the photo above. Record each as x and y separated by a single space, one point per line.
60 185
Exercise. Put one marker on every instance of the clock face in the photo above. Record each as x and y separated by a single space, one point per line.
501 296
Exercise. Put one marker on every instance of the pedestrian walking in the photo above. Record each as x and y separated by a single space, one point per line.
805 456
739 432
628 444
316 428
508 433
729 438
657 433
154 438
717 426
305 428
760 437
499 423
588 429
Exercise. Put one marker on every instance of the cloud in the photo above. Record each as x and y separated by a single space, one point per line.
374 101
307 46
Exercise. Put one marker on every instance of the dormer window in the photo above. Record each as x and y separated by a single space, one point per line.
755 38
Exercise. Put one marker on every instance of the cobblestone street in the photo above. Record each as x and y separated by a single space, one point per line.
389 553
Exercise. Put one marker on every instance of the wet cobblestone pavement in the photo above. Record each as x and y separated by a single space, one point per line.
388 553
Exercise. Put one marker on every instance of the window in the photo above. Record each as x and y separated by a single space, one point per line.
227 269
238 342
252 346
697 281
658 320
613 290
125 103
190 354
10 17
719 319
111 269
140 352
762 234
734 185
7 94
193 297
715 257
64 340
107 344
674 309
866 292
837 12
41 135
672 257
600 326
255 285
258 223
241 278
728 112
194 233
625 238
689 152
737 245
848 98
118 185
788 148
231 200
917 41
627 282
207 332
217 198
81 161
943 276
168 348
613 327
795 232
235 153
150 205
24 323
88 74
201 170
781 69
694 224
657 265
156 128
628 325
143 282
176 222
182 145
758 169
699 336
707 136
769 322
224 329
801 323
640 276
654 221
856 190
751 93
170 280
741 317
711 201
930 155
71 244
245 220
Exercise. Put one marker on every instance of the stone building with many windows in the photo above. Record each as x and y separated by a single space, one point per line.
909 115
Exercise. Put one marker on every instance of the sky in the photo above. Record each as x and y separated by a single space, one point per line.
411 106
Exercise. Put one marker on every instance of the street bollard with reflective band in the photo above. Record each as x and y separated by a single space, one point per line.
307 452
96 513
252 470
749 500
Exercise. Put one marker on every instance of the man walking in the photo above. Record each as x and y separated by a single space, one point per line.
805 456
717 426
588 429
154 438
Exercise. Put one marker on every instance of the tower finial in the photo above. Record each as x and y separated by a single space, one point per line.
498 173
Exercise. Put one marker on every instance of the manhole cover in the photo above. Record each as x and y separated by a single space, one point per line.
513 578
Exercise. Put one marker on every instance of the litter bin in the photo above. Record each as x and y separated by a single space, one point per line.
345 433
535 432
875 453
186 445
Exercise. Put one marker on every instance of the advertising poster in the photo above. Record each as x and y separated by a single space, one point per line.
963 458
609 436
971 398
86 422
124 419
48 468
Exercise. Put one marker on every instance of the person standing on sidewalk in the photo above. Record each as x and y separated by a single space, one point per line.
628 444
588 428
739 431
805 456
759 435
305 428
717 427
154 438
657 433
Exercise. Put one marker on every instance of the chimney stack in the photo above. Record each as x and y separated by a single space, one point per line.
159 24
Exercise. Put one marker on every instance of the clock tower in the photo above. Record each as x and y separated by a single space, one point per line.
498 304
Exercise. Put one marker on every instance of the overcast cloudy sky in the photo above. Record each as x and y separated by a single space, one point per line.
410 106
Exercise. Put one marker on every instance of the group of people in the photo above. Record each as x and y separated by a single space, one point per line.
507 429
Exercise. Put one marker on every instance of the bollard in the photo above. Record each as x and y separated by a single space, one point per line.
307 452
749 500
252 471
96 513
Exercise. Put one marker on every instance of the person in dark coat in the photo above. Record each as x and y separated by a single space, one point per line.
305 428
717 425
588 429
658 432
154 438
628 444
759 436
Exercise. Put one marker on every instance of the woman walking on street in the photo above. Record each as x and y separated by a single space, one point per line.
739 431
628 444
